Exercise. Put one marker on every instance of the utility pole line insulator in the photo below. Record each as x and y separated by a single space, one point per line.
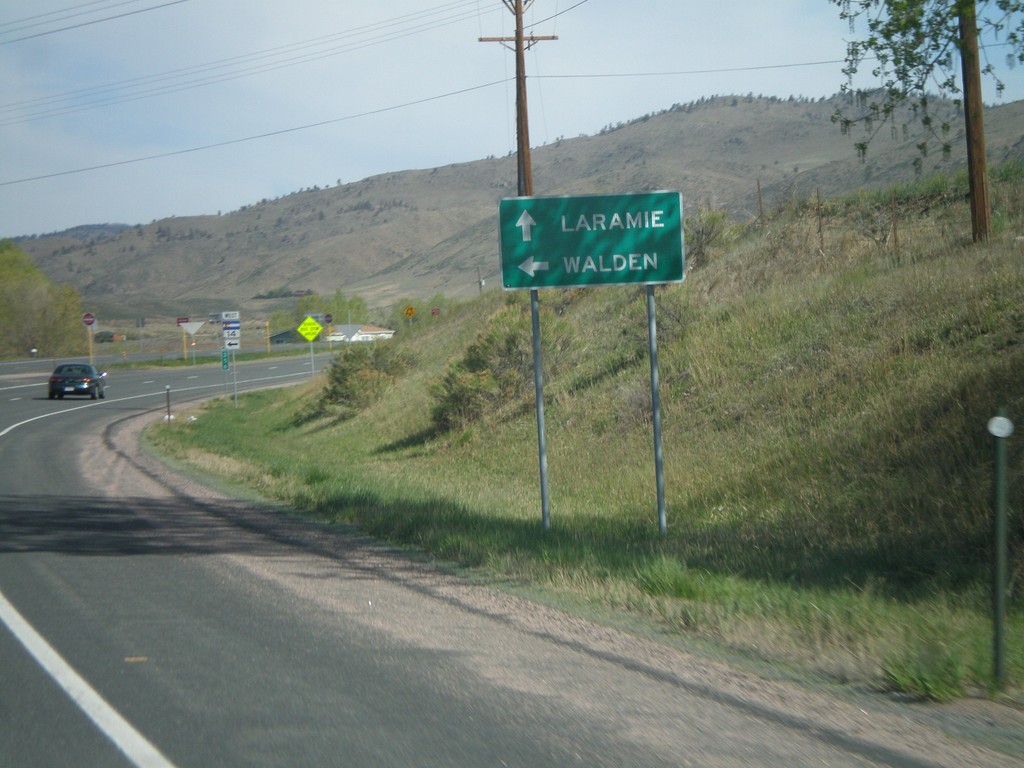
521 42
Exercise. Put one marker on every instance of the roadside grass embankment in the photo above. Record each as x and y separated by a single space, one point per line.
829 475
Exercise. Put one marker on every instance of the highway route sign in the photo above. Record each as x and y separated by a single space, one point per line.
591 240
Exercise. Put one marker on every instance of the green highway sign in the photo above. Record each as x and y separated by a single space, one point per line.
591 240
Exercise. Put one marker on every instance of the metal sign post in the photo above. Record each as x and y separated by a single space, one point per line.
1000 428
231 324
234 374
659 463
309 330
191 328
594 240
538 386
89 320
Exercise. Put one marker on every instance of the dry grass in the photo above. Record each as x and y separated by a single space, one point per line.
828 472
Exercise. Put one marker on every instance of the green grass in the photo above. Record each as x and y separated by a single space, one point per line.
828 470
174 360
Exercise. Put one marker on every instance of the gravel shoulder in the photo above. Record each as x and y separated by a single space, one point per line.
972 732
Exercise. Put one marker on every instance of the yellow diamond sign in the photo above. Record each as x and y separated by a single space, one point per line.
310 329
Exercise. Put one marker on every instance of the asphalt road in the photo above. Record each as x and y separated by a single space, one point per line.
147 621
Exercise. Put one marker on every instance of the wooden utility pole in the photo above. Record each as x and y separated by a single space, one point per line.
525 186
974 122
521 42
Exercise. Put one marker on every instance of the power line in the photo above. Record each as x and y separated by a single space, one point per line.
256 137
94 21
558 13
393 108
77 8
232 68
715 71
259 62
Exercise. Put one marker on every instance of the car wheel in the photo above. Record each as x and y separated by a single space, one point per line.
103 394
52 395
60 395
92 393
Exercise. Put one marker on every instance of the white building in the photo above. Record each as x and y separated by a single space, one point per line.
353 333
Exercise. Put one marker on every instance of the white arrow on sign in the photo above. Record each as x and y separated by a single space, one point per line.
526 222
530 266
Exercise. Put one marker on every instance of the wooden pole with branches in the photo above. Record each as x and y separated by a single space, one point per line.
974 123
914 46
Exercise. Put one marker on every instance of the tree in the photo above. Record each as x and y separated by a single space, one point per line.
351 310
35 313
311 304
915 46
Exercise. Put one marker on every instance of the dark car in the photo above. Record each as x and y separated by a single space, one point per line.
76 379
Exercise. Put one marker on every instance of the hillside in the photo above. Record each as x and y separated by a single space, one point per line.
417 233
825 389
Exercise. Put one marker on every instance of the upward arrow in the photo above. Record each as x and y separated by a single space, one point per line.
526 222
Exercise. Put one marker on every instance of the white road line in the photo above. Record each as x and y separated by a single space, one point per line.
133 744
161 393
23 386
48 415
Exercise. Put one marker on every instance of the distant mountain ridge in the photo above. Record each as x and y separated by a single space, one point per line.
83 232
414 234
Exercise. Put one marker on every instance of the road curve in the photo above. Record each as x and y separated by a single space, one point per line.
219 632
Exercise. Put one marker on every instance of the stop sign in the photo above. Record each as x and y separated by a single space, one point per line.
88 318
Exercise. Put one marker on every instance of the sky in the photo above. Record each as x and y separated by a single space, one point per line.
130 111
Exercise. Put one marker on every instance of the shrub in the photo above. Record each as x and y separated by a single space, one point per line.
361 374
461 397
703 231
496 370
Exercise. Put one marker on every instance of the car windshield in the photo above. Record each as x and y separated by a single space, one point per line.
79 369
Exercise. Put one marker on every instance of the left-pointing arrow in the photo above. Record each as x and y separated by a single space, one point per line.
526 222
530 266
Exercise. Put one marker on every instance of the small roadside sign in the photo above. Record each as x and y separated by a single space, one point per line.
231 331
88 319
309 329
225 361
